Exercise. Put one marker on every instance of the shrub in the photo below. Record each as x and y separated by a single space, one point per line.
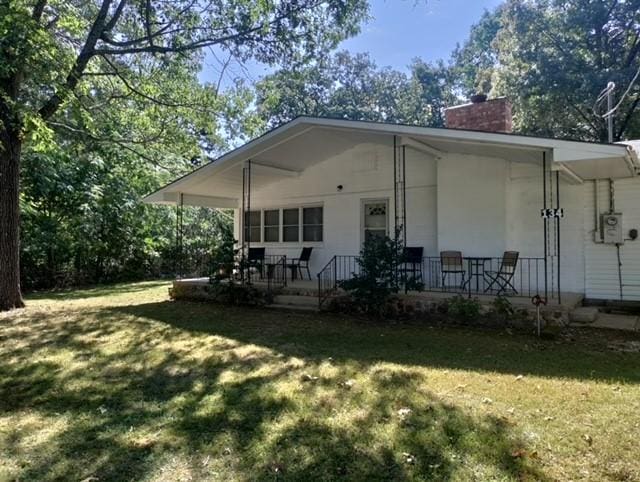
464 309
377 280
230 293
502 309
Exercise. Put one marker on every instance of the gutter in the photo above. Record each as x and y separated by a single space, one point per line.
632 156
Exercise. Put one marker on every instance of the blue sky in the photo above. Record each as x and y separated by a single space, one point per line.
399 31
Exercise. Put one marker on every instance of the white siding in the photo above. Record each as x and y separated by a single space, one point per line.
601 277
364 172
471 204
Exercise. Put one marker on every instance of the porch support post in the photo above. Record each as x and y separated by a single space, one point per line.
179 236
399 192
544 220
245 218
558 235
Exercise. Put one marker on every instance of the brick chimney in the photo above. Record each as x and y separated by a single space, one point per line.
482 115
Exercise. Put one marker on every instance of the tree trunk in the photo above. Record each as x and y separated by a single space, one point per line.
10 151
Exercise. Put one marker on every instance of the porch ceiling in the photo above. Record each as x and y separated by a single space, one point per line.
304 142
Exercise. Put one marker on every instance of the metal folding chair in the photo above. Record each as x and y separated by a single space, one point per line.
451 264
505 273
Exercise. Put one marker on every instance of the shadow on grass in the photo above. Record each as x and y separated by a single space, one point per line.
133 404
94 291
315 336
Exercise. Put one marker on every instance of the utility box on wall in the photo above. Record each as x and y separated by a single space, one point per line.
611 229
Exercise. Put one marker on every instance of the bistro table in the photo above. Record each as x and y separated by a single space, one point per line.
476 270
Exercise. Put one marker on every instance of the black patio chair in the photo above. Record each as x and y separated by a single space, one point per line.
411 263
255 259
505 273
298 264
451 264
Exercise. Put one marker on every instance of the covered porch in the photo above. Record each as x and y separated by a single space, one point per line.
308 184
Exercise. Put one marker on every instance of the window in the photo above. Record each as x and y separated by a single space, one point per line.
272 226
291 225
375 219
312 224
252 226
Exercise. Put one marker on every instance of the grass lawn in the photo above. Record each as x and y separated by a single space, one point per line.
119 383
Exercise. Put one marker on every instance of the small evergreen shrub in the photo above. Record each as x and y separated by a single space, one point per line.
377 280
464 309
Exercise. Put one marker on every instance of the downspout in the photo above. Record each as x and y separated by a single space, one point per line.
597 238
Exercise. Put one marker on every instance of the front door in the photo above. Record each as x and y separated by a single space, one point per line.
375 218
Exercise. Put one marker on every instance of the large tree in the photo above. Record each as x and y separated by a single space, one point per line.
352 86
50 50
553 58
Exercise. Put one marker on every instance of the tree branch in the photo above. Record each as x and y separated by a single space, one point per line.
38 10
627 117
88 51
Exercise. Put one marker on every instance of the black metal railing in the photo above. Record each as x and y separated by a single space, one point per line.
275 271
485 276
478 276
271 270
339 268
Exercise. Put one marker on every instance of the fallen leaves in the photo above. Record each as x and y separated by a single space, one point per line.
348 384
409 458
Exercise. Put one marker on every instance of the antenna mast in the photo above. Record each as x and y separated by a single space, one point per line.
610 88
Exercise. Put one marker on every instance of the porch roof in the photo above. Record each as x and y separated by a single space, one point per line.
289 149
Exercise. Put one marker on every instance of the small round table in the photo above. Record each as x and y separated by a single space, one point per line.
476 270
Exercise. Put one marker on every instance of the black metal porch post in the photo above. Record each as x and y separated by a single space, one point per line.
544 219
245 218
179 235
558 234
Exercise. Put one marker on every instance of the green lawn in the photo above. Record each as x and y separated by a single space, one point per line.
120 383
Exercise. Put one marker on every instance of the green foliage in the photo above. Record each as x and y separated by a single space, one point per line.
230 293
502 308
376 280
83 223
104 99
466 310
552 58
351 86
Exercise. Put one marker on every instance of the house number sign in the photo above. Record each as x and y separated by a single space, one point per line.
552 213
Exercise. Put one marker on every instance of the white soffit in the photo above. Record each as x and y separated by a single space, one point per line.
293 147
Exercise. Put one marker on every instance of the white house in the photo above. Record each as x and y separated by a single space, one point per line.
473 187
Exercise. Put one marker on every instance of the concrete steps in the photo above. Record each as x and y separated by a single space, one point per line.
295 303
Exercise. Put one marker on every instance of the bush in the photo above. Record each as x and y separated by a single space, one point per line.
230 293
464 309
371 288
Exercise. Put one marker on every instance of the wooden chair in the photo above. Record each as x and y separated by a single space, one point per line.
298 264
505 273
411 263
451 264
